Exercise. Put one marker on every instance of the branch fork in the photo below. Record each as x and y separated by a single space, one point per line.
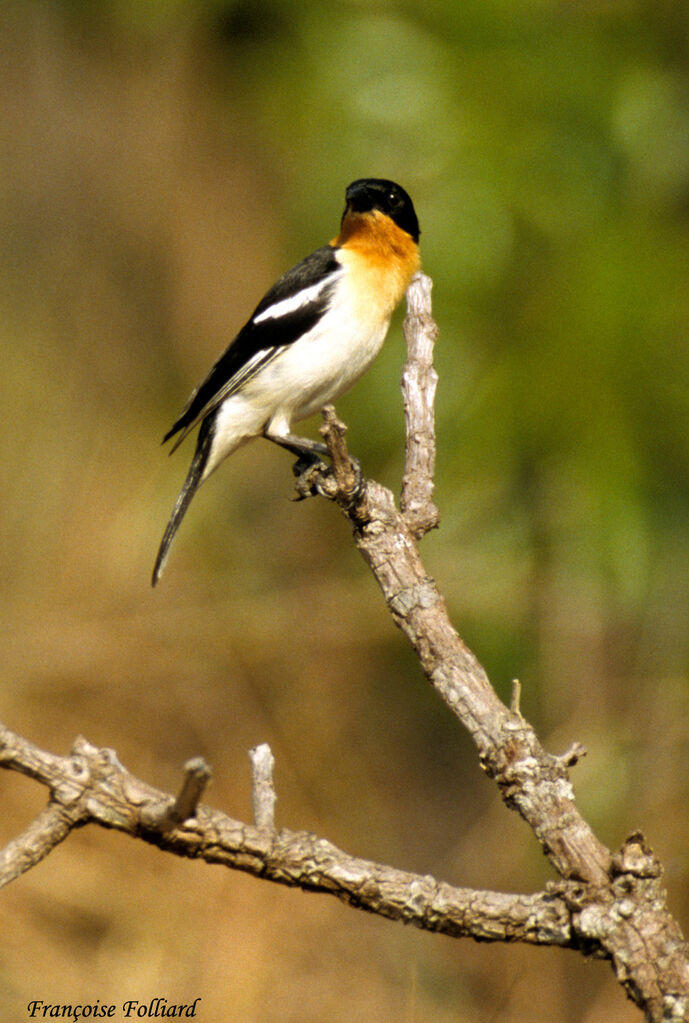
609 906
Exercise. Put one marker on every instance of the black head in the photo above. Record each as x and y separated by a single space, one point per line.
368 194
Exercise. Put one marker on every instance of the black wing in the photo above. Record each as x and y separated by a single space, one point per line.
258 343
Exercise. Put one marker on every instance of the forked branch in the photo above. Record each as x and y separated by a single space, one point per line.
610 906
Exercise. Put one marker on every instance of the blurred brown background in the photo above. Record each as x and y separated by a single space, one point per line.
160 164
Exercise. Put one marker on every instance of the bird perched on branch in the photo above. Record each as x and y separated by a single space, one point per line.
309 339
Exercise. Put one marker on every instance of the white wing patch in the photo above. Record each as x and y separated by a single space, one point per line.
250 367
297 301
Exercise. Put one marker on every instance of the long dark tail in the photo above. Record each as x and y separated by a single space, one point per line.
191 485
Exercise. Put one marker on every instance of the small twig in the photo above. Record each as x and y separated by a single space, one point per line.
196 778
171 813
346 483
263 795
515 701
334 432
573 755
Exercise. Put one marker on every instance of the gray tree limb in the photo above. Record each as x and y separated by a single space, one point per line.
90 786
608 905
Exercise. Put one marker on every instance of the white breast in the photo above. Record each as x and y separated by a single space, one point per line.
321 365
305 376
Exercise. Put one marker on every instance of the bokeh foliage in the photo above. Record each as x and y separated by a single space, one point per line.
160 163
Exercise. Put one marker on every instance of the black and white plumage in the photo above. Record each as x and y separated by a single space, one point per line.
309 339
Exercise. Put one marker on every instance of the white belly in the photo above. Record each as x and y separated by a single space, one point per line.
309 373
314 370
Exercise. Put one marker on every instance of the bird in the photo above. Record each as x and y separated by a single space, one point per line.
312 335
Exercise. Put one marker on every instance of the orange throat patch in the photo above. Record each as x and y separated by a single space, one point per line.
385 254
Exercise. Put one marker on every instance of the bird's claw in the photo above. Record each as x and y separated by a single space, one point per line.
308 470
342 483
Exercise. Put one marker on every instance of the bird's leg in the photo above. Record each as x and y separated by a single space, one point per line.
309 465
308 472
314 477
305 448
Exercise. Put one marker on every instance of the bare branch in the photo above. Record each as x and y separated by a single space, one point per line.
419 381
48 829
654 968
609 906
107 794
532 781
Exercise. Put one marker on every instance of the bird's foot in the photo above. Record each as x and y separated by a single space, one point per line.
343 484
343 481
309 469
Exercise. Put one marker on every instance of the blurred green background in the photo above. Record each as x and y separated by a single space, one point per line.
160 163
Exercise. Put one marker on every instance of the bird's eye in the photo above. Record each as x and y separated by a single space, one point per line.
392 196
